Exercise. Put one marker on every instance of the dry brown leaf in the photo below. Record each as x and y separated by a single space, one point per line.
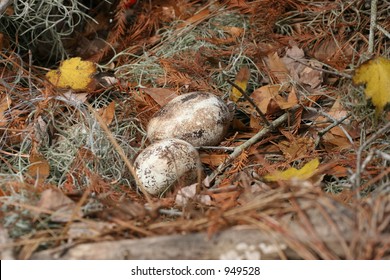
268 99
56 201
293 150
213 159
337 110
161 95
310 76
5 104
197 18
108 113
233 31
338 171
291 101
39 168
78 98
300 72
263 96
334 51
339 142
278 69
188 193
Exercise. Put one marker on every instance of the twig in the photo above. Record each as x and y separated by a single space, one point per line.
327 129
215 148
238 150
335 123
384 31
250 100
356 177
120 152
371 37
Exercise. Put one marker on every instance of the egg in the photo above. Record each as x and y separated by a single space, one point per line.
200 118
165 163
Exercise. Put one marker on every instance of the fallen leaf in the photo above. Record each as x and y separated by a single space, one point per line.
61 205
278 68
213 159
108 113
263 96
161 95
291 101
197 18
79 98
334 51
233 31
293 149
338 143
310 75
73 73
307 171
241 81
188 194
5 102
269 99
299 72
375 74
39 168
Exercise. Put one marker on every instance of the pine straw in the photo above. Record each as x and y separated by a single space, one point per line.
311 223
166 64
201 56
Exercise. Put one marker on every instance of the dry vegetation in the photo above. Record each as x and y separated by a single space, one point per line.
63 180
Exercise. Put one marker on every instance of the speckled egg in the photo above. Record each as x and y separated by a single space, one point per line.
165 163
200 118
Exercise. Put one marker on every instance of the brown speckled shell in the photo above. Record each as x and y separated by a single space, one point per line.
164 163
200 118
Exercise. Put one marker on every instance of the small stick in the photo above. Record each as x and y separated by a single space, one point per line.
120 152
250 100
356 177
239 149
215 148
371 37
328 128
384 31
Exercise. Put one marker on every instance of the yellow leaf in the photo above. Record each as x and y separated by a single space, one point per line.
241 80
375 74
304 173
73 73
